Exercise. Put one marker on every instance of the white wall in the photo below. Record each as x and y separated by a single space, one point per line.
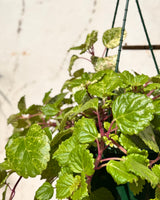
34 38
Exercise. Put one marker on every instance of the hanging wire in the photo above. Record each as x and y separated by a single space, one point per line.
113 22
122 33
147 36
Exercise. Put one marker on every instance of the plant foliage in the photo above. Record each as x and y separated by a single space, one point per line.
101 121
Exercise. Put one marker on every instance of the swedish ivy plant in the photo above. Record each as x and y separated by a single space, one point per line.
101 132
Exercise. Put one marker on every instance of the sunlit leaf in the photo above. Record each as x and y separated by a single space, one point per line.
132 112
119 172
90 40
104 63
85 130
72 60
28 156
64 150
111 38
81 160
141 170
66 185
50 110
45 192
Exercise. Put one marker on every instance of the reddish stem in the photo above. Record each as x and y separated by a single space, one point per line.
100 125
13 190
156 97
154 161
84 58
119 146
150 93
109 130
113 158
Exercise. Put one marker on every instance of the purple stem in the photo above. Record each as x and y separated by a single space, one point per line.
13 190
150 93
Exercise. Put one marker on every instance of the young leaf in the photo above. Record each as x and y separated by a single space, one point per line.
64 150
73 59
106 85
50 110
132 112
28 156
85 130
111 38
104 63
45 192
22 104
81 160
46 97
66 185
137 187
119 172
90 40
141 170
148 137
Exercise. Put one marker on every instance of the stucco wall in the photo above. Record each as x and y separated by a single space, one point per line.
34 38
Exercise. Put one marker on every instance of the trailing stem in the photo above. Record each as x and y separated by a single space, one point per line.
14 189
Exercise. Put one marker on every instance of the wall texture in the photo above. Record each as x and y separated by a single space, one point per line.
34 38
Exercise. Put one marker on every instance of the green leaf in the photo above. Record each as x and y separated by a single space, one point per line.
156 104
47 97
141 170
58 137
58 99
48 133
137 187
156 122
81 160
82 191
73 59
85 130
66 185
119 172
139 155
28 156
90 40
50 110
126 141
157 193
104 63
156 79
64 150
152 86
156 170
111 38
148 137
132 112
106 85
101 193
91 104
133 80
3 175
80 96
45 192
22 104
78 73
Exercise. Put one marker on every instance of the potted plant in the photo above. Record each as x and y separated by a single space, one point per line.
98 138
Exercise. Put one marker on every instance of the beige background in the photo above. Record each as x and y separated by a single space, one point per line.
34 38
